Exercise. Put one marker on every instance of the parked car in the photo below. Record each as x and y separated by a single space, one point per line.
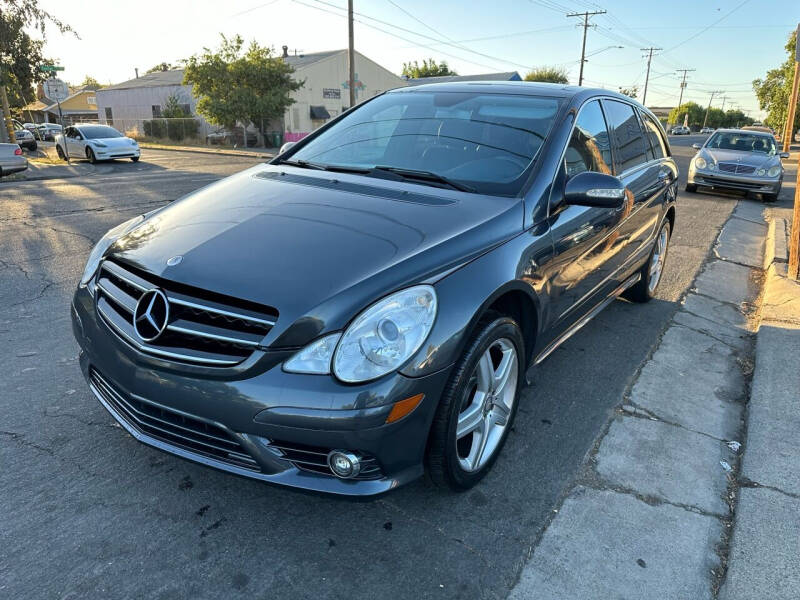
95 142
369 301
231 138
738 159
48 131
705 130
680 131
24 138
11 159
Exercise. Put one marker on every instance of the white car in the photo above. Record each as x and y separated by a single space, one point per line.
95 142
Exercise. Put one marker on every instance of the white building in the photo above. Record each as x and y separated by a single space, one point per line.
324 94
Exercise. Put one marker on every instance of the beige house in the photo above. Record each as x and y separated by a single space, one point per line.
79 107
325 92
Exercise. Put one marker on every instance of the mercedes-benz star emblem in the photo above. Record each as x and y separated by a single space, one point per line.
151 315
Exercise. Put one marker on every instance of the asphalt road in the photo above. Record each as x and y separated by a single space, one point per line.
89 512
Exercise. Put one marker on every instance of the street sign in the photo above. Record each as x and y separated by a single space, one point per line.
50 68
55 89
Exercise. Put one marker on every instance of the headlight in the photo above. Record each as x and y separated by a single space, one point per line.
314 358
774 171
98 144
385 335
700 162
105 242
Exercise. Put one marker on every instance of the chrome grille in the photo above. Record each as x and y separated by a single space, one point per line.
315 459
728 167
172 427
203 328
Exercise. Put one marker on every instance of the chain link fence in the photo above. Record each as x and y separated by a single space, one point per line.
193 132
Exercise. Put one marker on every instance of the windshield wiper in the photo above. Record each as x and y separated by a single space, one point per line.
304 164
423 176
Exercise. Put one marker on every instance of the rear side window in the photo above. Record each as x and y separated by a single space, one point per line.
589 148
631 145
654 135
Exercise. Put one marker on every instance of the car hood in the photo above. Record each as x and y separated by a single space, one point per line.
745 158
316 246
114 143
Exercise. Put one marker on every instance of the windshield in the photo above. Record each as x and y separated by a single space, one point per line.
743 142
98 132
483 141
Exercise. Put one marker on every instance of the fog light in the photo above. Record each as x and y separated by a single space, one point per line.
344 464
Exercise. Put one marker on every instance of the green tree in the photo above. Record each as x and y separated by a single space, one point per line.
164 66
630 92
696 114
237 84
429 68
20 54
548 75
90 82
173 109
774 90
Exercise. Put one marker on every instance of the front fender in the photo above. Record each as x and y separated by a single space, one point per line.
464 295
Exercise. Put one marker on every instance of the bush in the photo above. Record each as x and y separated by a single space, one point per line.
174 129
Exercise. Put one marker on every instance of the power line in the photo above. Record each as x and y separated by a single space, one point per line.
702 31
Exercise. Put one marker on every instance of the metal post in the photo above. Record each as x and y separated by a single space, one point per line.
351 55
647 77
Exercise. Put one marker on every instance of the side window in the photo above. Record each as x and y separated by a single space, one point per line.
654 135
631 144
589 148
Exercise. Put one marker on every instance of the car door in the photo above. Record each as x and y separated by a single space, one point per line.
583 236
77 144
635 166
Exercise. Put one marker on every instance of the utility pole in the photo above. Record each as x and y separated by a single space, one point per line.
683 83
794 242
351 56
7 115
585 16
724 98
647 77
710 100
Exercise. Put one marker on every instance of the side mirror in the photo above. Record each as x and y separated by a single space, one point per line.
594 189
784 155
697 146
286 147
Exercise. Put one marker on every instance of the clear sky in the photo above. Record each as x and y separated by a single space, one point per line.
728 42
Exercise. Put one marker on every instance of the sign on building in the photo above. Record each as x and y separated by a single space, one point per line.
331 93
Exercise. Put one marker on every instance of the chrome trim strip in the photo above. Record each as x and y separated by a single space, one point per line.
212 336
219 311
124 278
588 317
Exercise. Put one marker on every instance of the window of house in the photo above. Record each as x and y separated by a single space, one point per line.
109 116
156 111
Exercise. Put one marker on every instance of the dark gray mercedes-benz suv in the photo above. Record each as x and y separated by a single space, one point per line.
368 302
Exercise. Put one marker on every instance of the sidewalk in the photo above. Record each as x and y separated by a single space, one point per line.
765 550
252 152
651 514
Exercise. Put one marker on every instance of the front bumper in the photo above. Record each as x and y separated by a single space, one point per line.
731 181
259 410
108 154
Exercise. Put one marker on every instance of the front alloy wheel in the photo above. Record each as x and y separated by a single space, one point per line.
478 406
653 269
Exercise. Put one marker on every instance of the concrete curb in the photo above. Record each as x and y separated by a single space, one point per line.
199 150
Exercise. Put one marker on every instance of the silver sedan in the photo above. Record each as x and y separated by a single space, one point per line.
11 159
738 160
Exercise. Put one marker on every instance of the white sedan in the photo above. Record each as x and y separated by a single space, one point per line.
95 142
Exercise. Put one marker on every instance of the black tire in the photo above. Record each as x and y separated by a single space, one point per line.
643 291
690 187
135 158
90 156
31 146
60 153
771 197
442 457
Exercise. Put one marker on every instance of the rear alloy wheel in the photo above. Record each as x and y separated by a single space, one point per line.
652 270
90 155
478 406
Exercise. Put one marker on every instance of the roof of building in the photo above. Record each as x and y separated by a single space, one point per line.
508 76
301 60
38 105
154 79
